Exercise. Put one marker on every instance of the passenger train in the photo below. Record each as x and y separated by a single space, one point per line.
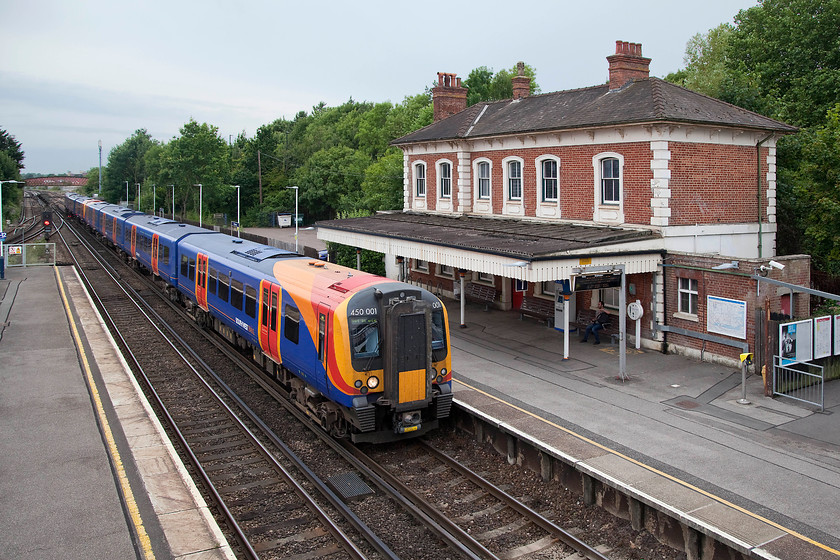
368 357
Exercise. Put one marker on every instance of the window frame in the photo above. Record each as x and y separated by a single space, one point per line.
444 181
509 178
541 163
420 179
692 292
479 180
613 186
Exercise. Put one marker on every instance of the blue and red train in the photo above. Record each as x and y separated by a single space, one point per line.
369 357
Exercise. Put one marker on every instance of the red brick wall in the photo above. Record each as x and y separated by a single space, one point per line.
712 183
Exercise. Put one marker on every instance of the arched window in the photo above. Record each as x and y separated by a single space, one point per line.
483 179
444 179
420 179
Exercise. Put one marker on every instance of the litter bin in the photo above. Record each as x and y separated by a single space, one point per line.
2 267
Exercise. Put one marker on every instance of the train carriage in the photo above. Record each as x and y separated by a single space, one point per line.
367 356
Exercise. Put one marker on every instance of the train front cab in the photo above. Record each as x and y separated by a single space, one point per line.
413 360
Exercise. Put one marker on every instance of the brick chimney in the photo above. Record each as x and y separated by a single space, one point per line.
627 64
448 97
521 82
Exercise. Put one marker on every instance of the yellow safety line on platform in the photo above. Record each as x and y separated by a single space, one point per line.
790 532
131 504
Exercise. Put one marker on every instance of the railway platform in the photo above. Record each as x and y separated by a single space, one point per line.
86 471
763 477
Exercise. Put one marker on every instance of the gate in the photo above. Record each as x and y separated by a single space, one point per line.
794 382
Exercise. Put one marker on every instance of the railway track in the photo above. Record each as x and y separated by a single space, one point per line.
385 508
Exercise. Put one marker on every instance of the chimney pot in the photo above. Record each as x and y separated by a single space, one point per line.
449 97
627 64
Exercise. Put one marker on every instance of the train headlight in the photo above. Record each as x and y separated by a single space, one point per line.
373 382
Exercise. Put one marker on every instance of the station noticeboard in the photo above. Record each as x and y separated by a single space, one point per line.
596 281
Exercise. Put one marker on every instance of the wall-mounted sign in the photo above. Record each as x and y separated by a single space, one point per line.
822 336
795 341
726 316
596 281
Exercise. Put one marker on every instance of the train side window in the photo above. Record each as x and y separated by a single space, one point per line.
192 270
224 286
265 307
291 324
211 280
185 266
165 258
236 294
364 335
250 301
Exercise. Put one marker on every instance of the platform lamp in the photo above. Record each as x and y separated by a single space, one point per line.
100 168
3 226
296 217
173 201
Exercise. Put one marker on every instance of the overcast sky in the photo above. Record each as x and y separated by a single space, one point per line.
74 73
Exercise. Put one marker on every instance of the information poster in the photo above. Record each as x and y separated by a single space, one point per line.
822 336
726 316
795 342
836 335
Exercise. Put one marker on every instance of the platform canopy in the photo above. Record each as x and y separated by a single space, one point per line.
534 251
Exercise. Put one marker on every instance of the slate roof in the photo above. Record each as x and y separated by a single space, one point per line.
645 100
525 240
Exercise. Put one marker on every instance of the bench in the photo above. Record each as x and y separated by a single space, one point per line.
606 331
480 293
538 308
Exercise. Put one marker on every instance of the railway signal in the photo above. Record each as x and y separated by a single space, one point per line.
46 219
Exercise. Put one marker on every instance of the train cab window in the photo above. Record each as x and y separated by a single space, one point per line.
185 266
291 324
224 286
212 275
438 330
364 334
250 301
236 294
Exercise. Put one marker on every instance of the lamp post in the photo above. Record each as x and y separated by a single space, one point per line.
154 199
138 196
3 227
200 200
296 217
238 223
126 193
173 201
100 168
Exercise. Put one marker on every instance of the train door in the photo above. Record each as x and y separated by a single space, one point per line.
155 250
269 319
201 280
133 241
324 338
114 231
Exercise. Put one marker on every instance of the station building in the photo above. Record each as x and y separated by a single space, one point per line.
521 196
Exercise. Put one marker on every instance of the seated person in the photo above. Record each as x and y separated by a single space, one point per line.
601 319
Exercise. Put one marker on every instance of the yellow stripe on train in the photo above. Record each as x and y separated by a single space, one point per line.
412 385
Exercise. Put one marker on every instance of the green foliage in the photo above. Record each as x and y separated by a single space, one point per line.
484 85
12 149
126 162
382 186
345 255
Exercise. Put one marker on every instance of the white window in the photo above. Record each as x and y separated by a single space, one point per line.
483 179
514 180
485 278
549 179
445 271
445 179
420 179
610 297
610 181
421 266
548 287
688 296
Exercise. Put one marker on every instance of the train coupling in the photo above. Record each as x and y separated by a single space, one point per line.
407 422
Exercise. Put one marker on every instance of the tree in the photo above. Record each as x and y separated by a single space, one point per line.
382 186
484 85
791 50
330 182
126 162
11 147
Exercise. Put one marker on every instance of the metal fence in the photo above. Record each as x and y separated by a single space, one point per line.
30 254
802 382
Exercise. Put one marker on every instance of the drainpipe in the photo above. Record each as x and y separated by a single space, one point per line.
758 188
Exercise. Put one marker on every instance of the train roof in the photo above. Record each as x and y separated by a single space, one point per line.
241 251
167 228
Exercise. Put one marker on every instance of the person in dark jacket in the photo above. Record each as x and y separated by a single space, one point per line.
601 319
